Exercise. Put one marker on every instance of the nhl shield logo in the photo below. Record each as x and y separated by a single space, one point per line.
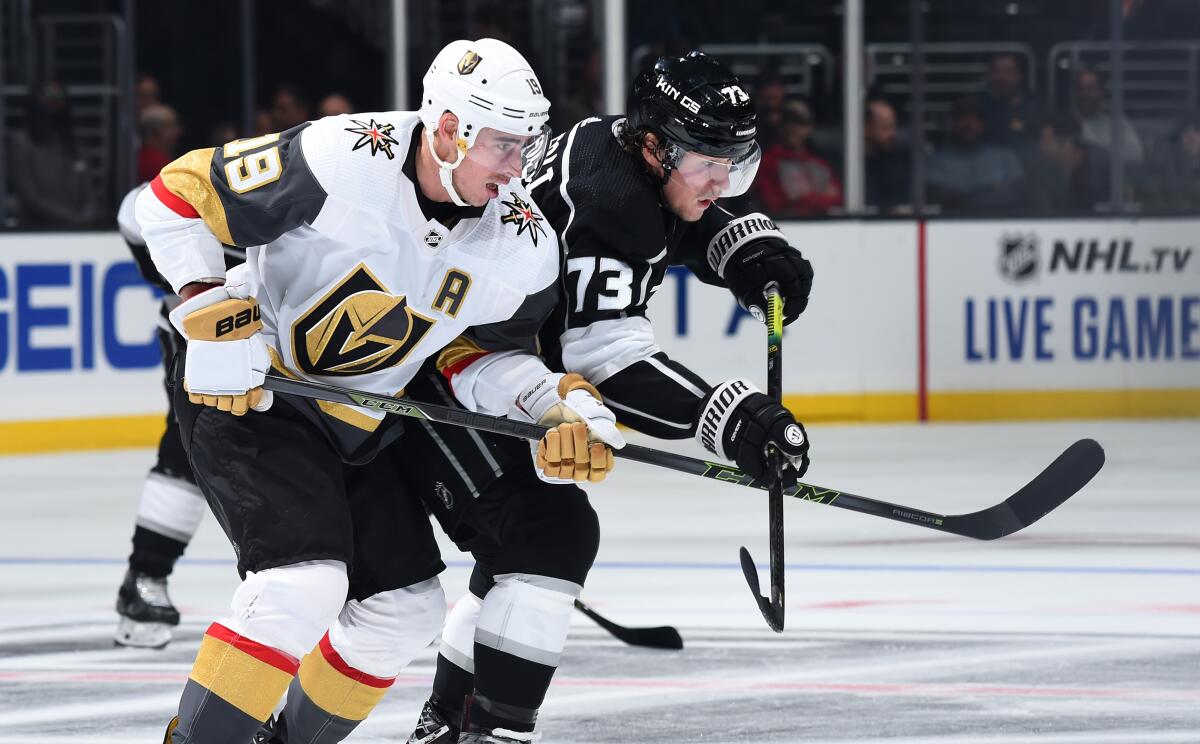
468 63
1018 256
433 239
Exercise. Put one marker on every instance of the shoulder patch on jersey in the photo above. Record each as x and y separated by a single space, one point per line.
523 214
376 134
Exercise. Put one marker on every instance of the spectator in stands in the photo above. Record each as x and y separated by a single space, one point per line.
1068 175
1011 116
225 131
50 178
290 107
888 163
769 97
584 97
493 19
1096 120
160 131
967 174
264 123
145 94
792 179
1172 180
334 104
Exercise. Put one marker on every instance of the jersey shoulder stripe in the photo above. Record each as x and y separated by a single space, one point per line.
248 191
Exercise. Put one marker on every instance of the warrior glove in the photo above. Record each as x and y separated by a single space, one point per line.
749 253
583 431
226 358
739 423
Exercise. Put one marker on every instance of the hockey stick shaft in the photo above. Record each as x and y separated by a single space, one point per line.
772 608
775 390
1065 476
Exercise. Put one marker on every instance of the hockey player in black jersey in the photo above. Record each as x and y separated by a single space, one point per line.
628 198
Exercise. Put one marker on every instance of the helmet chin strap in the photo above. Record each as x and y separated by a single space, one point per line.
445 170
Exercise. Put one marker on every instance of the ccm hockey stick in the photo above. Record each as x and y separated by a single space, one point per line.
1049 489
773 608
661 637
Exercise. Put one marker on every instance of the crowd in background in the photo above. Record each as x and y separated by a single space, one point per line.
51 185
1002 152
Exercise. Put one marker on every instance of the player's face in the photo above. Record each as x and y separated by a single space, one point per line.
688 202
492 160
699 180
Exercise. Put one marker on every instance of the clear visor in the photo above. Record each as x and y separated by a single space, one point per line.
712 177
508 155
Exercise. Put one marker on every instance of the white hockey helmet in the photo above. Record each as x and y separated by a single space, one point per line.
488 85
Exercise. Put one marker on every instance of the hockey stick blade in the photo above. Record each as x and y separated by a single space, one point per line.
1070 472
770 612
664 637
1061 480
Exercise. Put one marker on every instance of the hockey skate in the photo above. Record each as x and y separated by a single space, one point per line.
147 614
432 727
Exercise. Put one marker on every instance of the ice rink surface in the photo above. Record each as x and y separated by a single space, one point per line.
1083 629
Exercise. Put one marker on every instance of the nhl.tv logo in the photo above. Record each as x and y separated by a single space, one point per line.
1018 257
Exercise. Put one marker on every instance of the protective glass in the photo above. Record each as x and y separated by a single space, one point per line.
510 154
712 177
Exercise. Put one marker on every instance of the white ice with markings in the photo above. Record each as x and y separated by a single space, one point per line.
1082 629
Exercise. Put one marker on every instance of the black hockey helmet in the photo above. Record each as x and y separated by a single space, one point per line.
697 105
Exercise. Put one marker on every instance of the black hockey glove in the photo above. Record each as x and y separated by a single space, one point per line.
737 422
749 253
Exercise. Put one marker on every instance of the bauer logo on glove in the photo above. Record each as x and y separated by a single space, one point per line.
583 430
227 360
242 319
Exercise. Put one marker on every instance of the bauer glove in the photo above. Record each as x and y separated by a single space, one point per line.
739 423
749 253
583 431
226 358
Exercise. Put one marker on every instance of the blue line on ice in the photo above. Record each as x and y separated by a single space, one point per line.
697 566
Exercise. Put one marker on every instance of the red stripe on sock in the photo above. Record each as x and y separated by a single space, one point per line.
338 663
265 654
174 203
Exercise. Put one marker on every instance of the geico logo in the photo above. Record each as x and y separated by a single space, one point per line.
239 320
58 316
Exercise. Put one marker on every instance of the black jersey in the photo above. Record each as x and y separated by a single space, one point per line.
617 239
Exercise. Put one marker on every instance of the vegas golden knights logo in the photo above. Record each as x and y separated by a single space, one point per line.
358 327
468 63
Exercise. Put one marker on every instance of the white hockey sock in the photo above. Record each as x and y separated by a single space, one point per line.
170 507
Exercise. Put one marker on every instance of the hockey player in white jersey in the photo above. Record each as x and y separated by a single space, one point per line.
375 241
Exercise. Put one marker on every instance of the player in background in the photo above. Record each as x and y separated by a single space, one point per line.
171 506
374 241
628 198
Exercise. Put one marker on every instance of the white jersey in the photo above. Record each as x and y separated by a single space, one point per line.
357 285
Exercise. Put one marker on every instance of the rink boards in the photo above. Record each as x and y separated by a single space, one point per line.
947 320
